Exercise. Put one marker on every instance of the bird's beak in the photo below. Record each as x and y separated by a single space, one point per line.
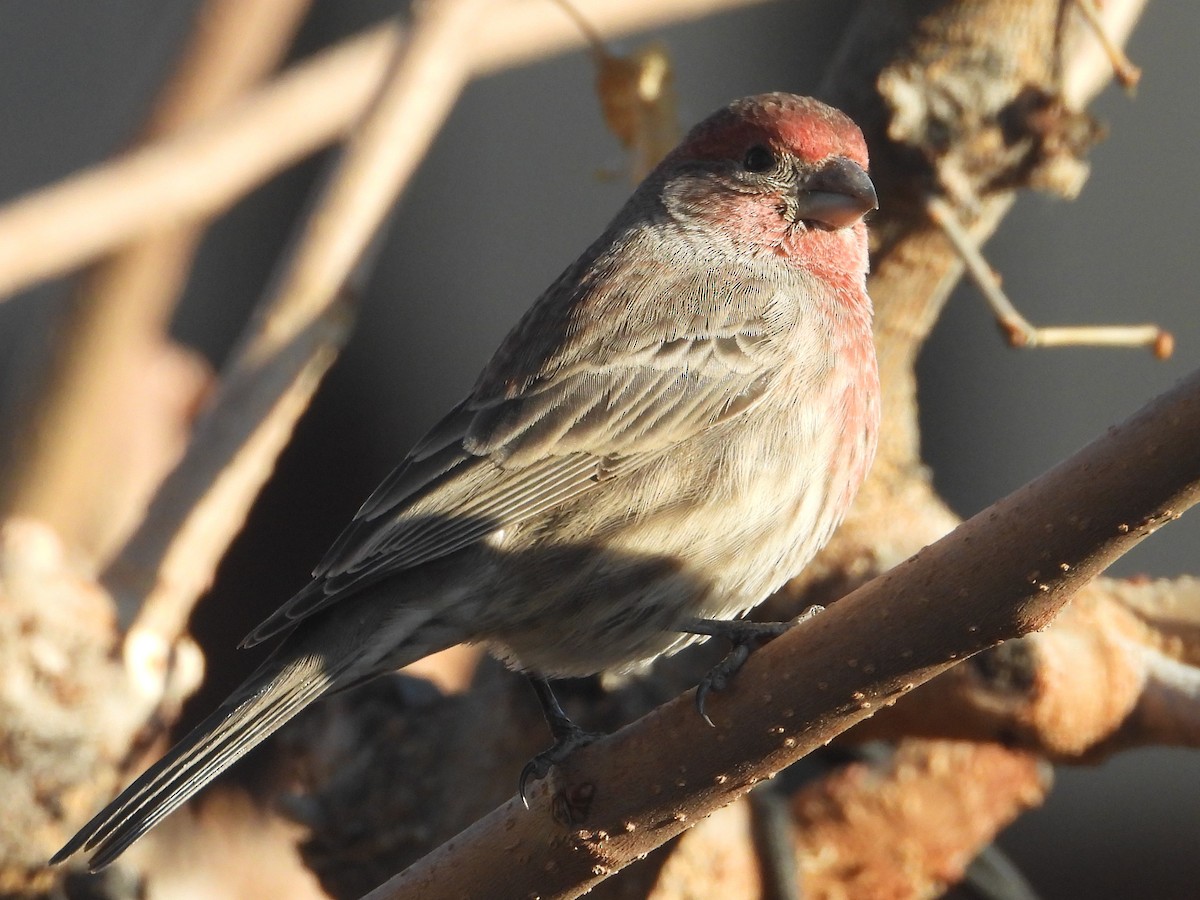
837 194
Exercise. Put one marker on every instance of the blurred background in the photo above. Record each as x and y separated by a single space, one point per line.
522 178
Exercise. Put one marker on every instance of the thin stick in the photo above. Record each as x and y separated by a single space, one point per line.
291 341
585 27
1016 328
523 31
203 170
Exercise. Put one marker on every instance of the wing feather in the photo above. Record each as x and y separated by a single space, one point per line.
561 408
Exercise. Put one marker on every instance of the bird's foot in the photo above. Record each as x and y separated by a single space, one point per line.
568 737
746 637
566 742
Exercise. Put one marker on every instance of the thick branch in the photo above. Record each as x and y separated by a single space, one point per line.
941 91
910 825
1043 543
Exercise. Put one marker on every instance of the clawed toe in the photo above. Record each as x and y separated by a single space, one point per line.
745 637
539 767
719 676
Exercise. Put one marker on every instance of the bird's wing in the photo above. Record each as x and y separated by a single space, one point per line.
560 409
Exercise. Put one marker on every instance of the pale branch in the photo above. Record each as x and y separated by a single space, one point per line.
995 62
233 45
195 173
616 800
203 169
67 714
1167 711
94 434
525 31
1091 65
910 824
1169 609
718 859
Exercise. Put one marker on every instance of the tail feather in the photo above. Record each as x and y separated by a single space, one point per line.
262 705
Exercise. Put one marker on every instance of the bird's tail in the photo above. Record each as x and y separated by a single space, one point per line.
279 689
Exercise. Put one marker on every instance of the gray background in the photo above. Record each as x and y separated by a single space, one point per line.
508 196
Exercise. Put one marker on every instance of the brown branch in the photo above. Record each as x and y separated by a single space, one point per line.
1043 542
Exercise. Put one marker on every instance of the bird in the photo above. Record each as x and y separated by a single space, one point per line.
669 434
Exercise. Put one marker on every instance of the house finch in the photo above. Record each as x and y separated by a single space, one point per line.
669 434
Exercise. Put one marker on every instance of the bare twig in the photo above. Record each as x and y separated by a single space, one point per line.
94 435
1090 68
1016 328
614 800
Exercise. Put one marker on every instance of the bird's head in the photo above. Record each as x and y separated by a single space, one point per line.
777 173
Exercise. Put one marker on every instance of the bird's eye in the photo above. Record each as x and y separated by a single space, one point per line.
758 159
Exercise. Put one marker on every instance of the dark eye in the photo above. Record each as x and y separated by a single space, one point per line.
758 159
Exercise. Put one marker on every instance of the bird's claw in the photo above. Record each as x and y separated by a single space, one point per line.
565 743
719 676
745 637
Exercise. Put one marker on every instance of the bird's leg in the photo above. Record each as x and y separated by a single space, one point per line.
745 637
568 737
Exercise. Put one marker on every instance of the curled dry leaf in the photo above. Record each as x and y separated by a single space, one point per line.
637 97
